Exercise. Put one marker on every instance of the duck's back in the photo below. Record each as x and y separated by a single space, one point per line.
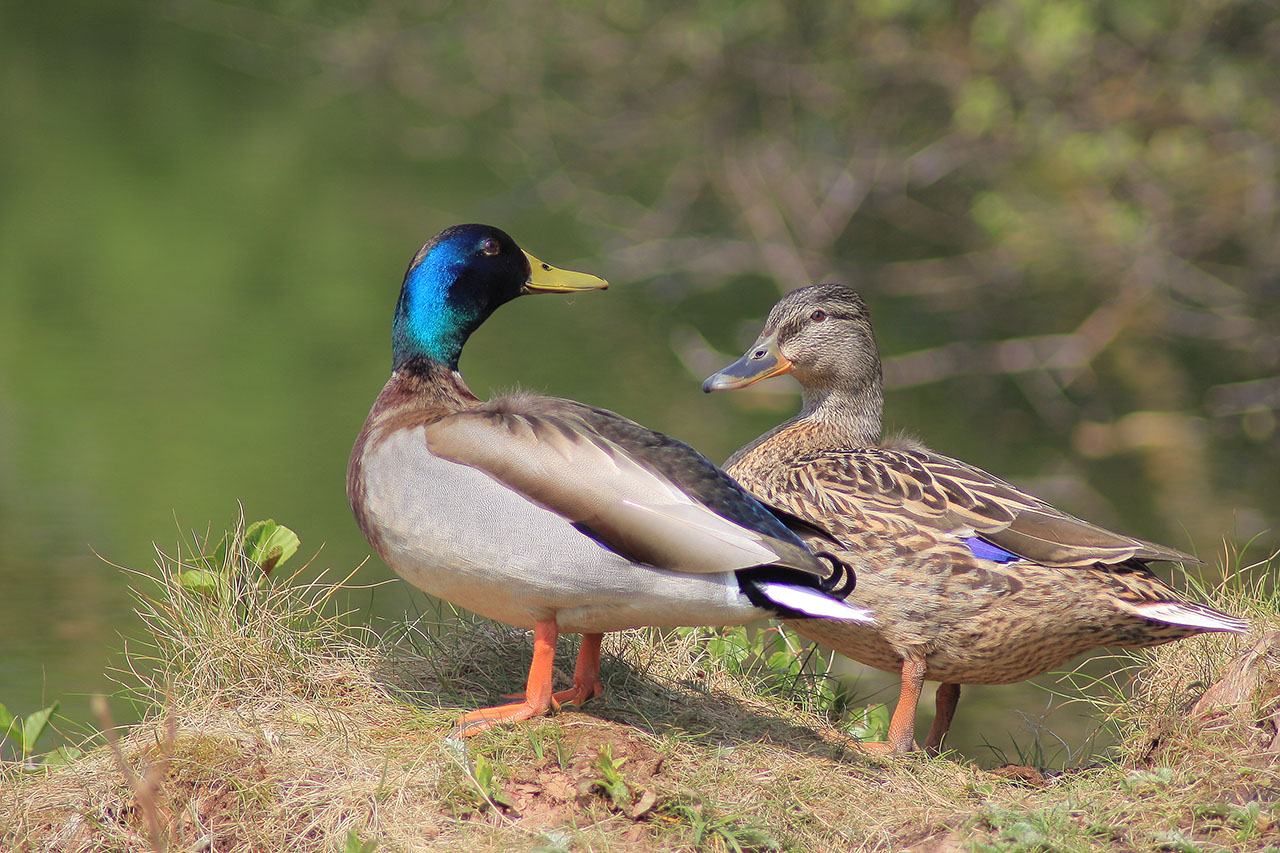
933 541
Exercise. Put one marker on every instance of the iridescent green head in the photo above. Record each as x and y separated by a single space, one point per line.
456 280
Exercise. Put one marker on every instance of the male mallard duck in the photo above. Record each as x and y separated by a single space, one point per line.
545 513
970 579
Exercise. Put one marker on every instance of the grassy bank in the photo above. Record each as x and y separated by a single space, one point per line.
273 724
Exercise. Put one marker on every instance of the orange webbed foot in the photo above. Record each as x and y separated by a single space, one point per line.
880 747
483 719
578 694
537 694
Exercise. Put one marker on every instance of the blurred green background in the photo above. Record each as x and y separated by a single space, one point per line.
1063 214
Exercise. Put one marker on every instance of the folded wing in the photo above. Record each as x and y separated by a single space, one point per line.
644 495
946 497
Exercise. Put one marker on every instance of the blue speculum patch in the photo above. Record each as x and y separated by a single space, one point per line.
984 550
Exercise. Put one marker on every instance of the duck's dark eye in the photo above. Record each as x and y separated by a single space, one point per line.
818 316
489 246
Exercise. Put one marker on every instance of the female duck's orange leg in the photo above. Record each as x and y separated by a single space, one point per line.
902 725
537 694
948 696
586 674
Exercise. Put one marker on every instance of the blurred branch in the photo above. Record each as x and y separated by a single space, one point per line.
1003 171
1240 397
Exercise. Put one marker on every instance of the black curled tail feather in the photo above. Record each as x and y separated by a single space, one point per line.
841 580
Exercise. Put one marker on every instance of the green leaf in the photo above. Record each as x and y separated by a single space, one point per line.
783 661
610 779
1139 780
484 773
220 554
216 561
619 794
269 544
34 725
355 845
485 778
503 800
6 720
201 580
873 726
62 756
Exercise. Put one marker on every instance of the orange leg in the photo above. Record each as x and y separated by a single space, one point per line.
586 674
902 725
537 694
948 696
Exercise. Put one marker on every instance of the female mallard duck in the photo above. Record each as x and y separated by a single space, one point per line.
970 580
545 513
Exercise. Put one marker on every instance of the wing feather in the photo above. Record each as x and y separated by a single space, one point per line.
646 496
945 498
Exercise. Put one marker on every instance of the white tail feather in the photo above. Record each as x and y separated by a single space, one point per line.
1193 616
813 603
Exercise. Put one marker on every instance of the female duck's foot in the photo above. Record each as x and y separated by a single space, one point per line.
948 696
881 747
902 725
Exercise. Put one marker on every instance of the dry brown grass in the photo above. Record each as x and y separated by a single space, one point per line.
274 727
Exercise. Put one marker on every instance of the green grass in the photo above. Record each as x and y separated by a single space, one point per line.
273 724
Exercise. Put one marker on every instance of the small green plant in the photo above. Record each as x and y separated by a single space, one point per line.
1139 781
550 738
269 544
265 544
354 844
872 724
718 831
196 609
780 663
481 789
1176 841
487 781
610 780
537 743
1028 830
1246 818
1045 749
61 756
554 841
26 731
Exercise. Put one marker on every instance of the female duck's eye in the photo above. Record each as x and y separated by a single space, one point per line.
818 316
489 246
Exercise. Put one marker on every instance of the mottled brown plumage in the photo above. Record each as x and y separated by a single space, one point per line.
971 580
